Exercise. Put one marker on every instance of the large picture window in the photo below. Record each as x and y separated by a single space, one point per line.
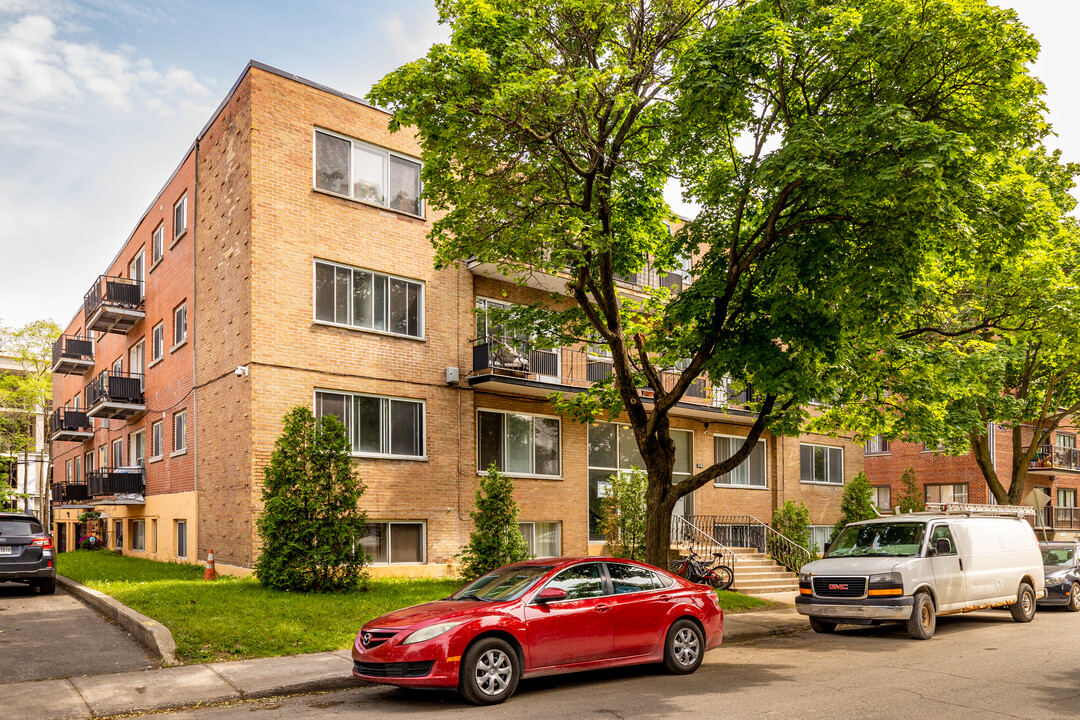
377 425
750 472
613 449
364 172
952 493
542 538
518 444
394 542
369 300
821 464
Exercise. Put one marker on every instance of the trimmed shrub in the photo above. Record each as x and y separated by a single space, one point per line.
622 515
910 497
857 503
495 540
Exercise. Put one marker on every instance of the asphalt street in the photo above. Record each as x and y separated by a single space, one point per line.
978 665
56 636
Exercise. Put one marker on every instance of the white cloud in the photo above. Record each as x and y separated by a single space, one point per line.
411 37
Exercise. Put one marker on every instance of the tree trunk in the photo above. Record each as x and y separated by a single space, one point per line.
660 502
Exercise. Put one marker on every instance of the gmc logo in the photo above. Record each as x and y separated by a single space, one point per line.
838 586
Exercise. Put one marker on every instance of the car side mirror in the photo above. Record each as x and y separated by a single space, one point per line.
943 546
550 594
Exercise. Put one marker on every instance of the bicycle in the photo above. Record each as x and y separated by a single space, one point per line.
694 569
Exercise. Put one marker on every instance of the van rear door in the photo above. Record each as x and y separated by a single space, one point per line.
949 578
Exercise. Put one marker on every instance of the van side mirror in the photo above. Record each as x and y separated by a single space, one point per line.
943 546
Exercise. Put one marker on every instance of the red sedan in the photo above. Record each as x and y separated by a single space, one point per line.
542 617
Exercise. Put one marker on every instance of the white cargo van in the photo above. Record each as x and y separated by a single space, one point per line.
917 566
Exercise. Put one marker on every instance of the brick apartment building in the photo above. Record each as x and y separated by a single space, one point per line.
1053 478
285 263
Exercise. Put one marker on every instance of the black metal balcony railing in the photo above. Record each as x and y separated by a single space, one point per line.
72 353
114 291
64 420
1055 457
506 356
63 492
110 481
113 387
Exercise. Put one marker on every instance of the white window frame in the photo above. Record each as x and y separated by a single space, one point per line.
138 540
351 182
157 440
117 447
179 438
137 270
157 344
157 245
481 472
532 529
843 462
177 342
887 445
181 524
67 472
765 447
822 529
88 462
133 446
421 316
350 430
878 505
952 491
178 232
389 531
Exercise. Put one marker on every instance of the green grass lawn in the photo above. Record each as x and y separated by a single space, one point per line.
234 618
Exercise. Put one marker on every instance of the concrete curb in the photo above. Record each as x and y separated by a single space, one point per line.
155 636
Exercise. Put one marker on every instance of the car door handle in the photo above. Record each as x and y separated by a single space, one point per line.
666 598
603 608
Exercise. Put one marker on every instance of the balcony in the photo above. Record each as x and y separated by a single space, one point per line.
510 365
70 492
116 481
70 426
72 355
115 395
113 305
549 281
1054 460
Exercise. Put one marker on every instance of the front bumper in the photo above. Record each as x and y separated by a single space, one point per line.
1056 594
888 608
397 664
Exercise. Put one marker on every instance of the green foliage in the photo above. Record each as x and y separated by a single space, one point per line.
792 520
28 390
910 497
857 502
495 540
310 522
622 515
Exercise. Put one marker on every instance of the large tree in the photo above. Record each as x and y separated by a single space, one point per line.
839 150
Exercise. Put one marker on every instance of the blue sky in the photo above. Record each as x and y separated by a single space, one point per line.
99 99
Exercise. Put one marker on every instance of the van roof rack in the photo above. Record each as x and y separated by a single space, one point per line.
975 509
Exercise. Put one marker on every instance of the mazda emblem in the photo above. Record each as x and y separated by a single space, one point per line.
365 639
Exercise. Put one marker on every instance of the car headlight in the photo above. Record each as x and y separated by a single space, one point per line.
1056 578
892 577
429 632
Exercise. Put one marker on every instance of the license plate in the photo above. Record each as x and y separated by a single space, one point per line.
5 549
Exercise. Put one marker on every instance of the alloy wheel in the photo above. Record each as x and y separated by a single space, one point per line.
493 672
686 646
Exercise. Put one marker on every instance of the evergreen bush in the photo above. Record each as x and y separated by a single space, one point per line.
792 520
910 497
311 522
622 515
496 539
857 503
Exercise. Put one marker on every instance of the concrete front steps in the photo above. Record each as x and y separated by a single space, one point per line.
756 572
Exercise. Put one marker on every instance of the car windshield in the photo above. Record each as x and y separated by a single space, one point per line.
19 527
896 539
1057 556
507 583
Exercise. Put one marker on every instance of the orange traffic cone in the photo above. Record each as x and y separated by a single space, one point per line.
210 572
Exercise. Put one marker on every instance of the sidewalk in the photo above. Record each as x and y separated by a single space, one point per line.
171 687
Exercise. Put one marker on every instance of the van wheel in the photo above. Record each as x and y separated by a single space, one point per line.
1074 598
923 620
1023 610
821 626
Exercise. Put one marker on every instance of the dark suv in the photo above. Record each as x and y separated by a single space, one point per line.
26 552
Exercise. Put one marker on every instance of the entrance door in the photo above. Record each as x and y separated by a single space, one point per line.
61 537
577 629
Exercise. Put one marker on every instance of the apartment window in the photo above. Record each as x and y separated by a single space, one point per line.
138 535
750 472
78 469
877 445
118 534
88 463
137 358
157 245
180 325
157 342
954 493
1065 440
377 425
368 300
103 457
1066 497
613 449
364 172
67 472
181 538
180 217
394 542
118 453
518 444
820 537
180 432
883 497
76 401
137 448
157 446
137 268
542 538
821 464
118 366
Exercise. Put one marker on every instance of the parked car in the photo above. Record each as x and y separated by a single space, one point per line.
915 567
542 617
26 552
1061 563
